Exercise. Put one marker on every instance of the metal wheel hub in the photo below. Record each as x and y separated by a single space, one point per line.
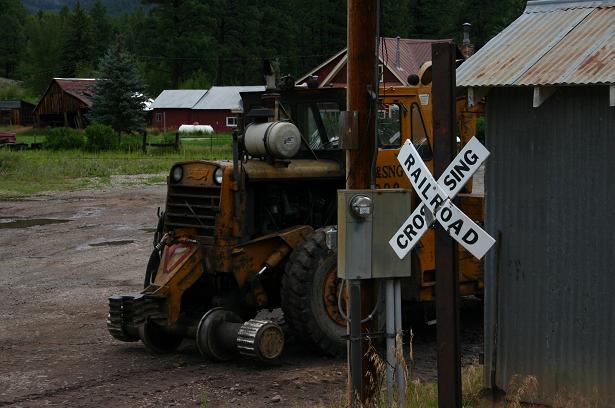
222 334
330 292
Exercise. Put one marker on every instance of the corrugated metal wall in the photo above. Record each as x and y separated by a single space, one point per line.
550 282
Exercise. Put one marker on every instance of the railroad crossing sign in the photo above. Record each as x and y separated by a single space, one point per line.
436 199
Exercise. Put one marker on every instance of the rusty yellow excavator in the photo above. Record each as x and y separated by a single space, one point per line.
240 236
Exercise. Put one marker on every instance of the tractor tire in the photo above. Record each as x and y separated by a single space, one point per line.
157 340
309 298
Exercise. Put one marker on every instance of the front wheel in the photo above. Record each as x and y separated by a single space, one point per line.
310 290
157 340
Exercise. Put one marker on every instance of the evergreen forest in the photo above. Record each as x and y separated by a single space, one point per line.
200 43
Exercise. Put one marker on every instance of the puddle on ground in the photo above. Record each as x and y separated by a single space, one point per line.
8 222
112 243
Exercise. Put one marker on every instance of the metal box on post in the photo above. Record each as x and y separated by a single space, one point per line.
367 219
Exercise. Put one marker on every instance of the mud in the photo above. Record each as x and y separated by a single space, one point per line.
55 279
6 222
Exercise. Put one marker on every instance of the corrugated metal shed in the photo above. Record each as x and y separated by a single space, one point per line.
549 303
178 98
552 43
225 98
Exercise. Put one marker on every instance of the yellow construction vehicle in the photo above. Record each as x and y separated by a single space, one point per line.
244 235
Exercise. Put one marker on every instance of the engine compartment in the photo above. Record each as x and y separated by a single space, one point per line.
285 204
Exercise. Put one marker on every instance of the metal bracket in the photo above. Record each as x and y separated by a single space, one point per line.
541 94
476 94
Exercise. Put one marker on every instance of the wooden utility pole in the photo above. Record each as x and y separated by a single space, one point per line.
447 278
361 98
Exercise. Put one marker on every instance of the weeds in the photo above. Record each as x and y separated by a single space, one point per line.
28 172
203 401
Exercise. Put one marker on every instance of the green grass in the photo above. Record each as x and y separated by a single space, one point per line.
28 172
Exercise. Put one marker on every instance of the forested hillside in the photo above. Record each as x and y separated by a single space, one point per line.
115 7
198 43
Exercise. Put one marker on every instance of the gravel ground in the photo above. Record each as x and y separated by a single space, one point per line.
55 279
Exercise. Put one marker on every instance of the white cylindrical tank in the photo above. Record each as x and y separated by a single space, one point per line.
196 128
281 140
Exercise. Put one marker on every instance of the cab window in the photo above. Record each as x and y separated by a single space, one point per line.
319 124
389 126
419 133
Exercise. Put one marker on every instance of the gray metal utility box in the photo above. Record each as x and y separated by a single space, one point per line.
367 219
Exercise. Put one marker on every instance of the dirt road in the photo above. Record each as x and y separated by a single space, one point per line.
55 278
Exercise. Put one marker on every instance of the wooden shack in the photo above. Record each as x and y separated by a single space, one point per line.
15 112
66 102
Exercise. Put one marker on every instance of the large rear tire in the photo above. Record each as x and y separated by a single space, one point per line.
309 295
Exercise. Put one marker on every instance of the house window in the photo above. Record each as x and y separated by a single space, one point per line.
231 121
381 73
158 117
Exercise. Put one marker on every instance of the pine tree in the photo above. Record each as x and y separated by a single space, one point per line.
12 19
177 36
78 44
102 30
119 99
41 59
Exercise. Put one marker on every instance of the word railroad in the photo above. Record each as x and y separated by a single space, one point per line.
436 199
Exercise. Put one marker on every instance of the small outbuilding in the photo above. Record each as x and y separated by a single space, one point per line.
66 102
218 107
549 83
15 112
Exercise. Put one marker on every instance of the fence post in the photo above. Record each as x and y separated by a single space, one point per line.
144 147
176 141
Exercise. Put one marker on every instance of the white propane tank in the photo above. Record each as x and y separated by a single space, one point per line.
281 140
196 128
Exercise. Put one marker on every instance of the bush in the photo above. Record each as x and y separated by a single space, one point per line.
64 139
100 138
169 138
131 143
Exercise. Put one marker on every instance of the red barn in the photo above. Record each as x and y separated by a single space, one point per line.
173 107
218 107
399 58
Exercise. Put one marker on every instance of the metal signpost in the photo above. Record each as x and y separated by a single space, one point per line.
437 206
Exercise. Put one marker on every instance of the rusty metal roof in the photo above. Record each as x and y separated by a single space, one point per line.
412 55
80 88
554 42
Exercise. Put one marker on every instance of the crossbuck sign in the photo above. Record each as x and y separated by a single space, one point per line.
436 200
